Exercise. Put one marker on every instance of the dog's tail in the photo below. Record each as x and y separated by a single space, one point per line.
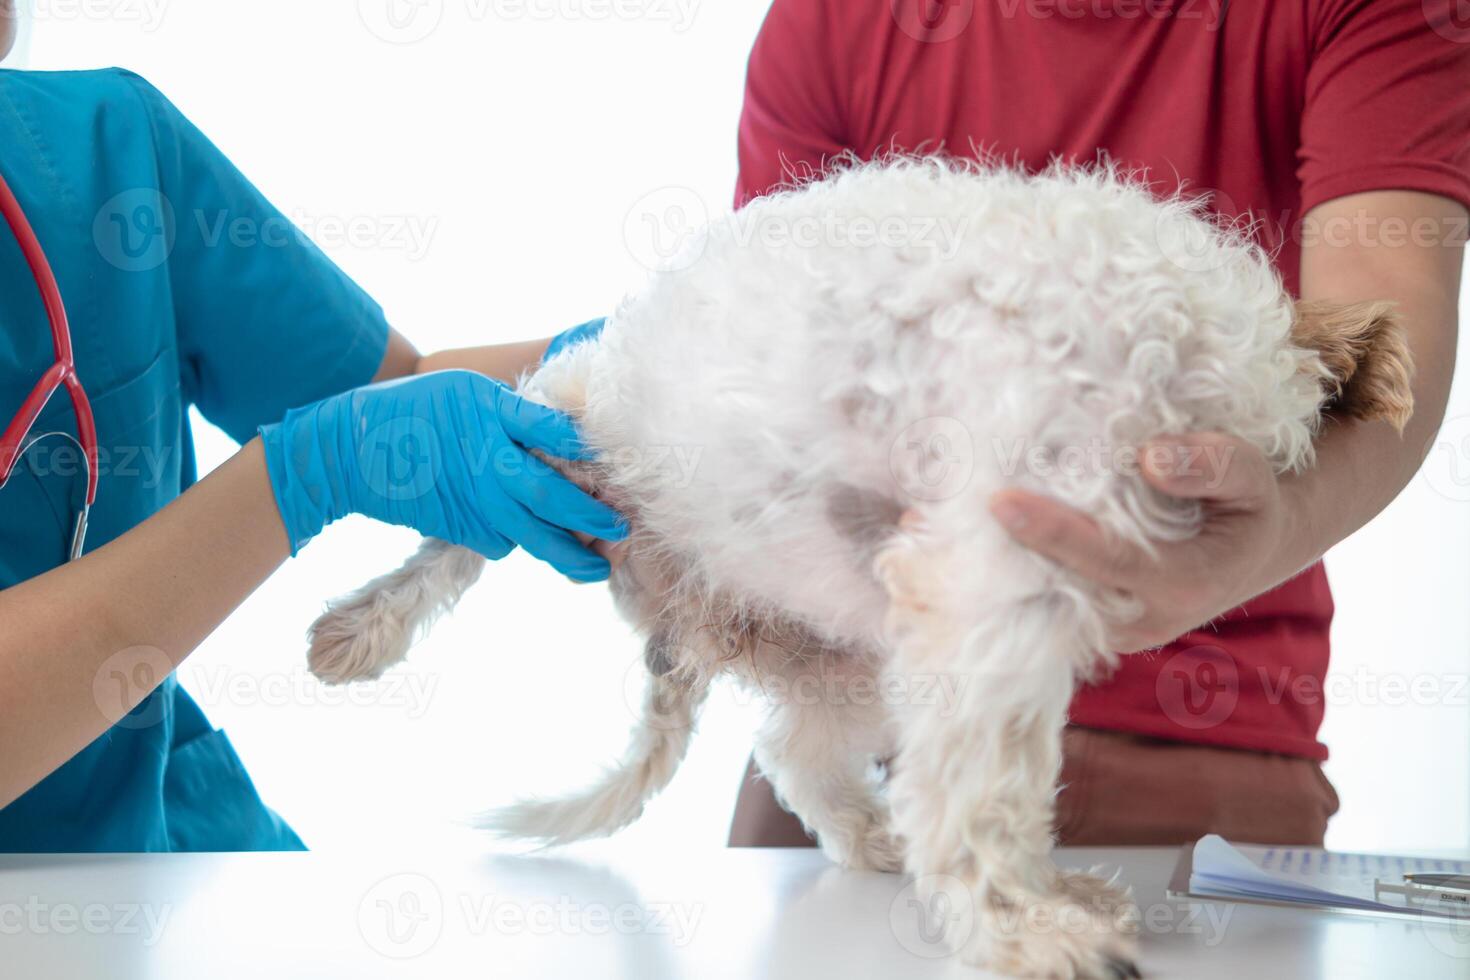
671 702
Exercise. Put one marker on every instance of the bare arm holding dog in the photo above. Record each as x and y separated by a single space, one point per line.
1260 530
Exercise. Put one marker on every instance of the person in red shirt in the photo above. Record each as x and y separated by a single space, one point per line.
1341 128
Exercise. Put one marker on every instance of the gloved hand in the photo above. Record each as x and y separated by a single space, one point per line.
576 335
447 455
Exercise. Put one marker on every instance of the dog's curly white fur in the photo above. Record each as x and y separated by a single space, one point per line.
816 382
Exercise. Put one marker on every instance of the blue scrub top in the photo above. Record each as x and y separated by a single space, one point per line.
184 287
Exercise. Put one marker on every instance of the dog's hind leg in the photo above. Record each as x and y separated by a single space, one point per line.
973 785
367 631
827 728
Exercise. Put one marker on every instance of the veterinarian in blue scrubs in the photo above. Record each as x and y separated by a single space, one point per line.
122 193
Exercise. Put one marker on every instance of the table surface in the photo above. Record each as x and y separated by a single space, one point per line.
768 914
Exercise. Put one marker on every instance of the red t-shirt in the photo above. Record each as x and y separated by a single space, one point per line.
1274 106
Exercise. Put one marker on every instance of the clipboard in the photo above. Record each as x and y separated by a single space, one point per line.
1179 889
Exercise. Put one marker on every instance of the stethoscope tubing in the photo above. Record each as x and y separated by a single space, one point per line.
62 373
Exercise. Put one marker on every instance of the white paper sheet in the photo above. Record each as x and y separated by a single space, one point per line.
1306 875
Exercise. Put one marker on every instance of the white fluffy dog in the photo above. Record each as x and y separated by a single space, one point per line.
854 367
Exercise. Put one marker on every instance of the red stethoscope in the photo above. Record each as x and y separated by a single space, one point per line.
63 372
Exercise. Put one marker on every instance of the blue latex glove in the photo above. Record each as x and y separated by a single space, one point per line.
447 455
576 335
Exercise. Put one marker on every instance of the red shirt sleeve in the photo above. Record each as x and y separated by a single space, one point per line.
1387 100
791 124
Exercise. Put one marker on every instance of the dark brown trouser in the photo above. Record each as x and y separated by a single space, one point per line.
1122 789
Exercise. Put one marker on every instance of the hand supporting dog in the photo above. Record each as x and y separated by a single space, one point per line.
1251 525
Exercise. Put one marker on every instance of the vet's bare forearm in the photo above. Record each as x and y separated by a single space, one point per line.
504 362
1352 253
149 598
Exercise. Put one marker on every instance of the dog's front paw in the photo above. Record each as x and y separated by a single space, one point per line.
352 642
863 842
1085 930
874 848
1092 891
1058 939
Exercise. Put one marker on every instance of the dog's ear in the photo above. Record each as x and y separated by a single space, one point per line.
1366 355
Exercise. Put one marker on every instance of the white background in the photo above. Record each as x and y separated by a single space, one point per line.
520 144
